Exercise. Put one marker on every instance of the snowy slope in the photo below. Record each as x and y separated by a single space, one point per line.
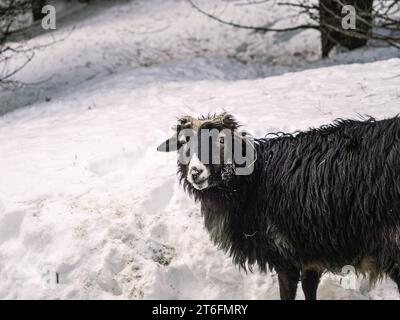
89 209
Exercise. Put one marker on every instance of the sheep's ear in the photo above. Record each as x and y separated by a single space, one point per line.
169 145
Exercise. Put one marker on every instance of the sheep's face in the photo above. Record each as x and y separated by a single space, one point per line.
206 148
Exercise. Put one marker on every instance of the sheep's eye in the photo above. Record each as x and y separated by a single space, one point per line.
184 140
221 140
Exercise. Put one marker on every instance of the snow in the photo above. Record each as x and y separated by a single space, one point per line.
90 210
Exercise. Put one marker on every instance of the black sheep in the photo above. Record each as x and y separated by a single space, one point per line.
315 201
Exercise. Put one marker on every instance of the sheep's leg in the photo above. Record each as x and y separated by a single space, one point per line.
288 280
395 276
309 283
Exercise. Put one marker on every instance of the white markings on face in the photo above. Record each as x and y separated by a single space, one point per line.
182 139
197 173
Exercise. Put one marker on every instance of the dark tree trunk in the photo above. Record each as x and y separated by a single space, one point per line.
37 6
330 12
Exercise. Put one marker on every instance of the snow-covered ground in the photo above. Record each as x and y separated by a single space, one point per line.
90 210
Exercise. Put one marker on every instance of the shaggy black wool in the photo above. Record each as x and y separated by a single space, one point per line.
316 200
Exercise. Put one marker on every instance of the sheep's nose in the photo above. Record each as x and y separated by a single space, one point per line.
195 173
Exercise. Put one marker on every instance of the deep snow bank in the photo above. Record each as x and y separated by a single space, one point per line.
91 210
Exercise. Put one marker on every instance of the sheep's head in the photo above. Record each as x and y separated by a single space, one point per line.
210 150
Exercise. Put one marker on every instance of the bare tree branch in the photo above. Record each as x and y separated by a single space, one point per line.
377 20
259 29
14 56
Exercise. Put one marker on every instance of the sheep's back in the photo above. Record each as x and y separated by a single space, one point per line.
334 192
